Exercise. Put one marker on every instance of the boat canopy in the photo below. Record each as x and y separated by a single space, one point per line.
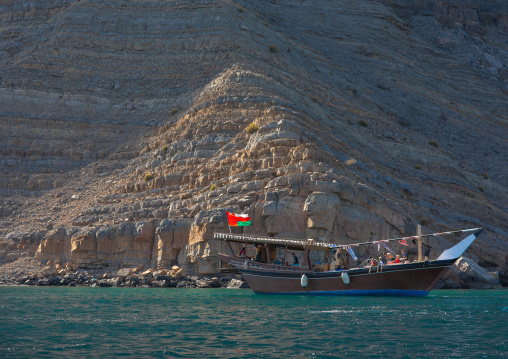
296 244
320 246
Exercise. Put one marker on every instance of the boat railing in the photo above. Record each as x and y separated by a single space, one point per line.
277 267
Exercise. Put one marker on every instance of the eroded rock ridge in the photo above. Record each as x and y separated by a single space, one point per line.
123 126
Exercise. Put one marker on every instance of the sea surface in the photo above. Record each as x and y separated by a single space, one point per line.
70 322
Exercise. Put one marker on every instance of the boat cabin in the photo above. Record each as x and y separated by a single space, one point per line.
279 253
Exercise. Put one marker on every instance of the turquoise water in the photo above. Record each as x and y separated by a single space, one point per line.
56 322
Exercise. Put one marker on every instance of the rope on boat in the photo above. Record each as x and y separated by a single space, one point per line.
302 242
411 237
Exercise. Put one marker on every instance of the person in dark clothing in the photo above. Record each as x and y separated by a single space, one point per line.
295 260
259 257
404 256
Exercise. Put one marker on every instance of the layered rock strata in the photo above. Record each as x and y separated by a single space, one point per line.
124 123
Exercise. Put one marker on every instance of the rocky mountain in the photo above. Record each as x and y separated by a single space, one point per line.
124 125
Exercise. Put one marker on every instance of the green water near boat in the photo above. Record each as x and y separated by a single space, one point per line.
56 322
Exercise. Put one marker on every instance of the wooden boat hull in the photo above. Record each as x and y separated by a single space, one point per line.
414 279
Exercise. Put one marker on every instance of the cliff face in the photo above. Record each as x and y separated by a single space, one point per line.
372 115
475 16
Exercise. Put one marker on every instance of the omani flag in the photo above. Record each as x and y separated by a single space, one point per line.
238 220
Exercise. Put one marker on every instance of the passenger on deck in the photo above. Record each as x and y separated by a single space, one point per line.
295 260
259 257
404 258
397 259
381 262
242 252
373 262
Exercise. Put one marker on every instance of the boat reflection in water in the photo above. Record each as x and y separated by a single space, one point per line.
269 271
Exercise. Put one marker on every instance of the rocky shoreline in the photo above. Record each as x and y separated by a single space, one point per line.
86 279
34 273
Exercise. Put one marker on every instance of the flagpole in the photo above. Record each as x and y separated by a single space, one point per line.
227 218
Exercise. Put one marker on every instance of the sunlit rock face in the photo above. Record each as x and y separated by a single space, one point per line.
123 126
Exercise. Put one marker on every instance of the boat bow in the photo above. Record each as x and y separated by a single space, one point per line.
457 250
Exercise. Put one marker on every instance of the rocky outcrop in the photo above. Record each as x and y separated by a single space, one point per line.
171 237
473 15
465 273
237 284
124 124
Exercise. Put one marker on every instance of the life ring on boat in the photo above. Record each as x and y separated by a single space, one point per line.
345 278
304 281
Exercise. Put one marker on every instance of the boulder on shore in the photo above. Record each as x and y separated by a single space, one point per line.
125 272
237 284
465 273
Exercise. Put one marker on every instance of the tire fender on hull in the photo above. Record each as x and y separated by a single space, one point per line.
304 281
345 278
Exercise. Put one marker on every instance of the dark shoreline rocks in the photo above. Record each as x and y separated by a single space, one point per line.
466 274
85 279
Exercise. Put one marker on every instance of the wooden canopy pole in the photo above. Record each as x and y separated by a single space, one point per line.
230 249
267 253
419 233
